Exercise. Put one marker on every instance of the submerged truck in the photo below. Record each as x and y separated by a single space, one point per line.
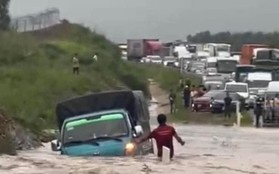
103 124
139 48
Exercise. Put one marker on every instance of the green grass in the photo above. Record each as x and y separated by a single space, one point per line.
36 72
168 77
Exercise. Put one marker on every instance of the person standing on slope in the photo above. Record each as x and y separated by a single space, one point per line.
172 98
163 135
95 57
75 64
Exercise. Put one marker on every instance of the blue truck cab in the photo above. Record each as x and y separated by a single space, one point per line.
103 124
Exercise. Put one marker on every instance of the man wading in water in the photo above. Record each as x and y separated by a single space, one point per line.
163 135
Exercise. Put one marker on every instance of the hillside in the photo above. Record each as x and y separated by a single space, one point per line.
36 73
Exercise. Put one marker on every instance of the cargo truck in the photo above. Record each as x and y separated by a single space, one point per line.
166 51
247 52
139 48
103 124
218 49
267 58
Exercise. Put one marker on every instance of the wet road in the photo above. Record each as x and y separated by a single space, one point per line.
209 150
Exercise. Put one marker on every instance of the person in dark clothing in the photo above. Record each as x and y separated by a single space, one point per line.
181 84
258 110
172 98
186 96
227 102
204 90
163 135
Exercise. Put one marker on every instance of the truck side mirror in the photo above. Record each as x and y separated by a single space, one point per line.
138 130
54 146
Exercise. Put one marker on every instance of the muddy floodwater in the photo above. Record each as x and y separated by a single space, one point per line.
208 150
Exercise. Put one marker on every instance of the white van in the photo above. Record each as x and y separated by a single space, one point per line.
239 88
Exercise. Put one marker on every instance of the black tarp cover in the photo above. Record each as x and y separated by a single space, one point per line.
97 102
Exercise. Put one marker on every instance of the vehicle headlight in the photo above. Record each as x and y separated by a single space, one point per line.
193 105
130 149
210 105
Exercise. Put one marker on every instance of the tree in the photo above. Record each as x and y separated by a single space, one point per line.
236 39
4 15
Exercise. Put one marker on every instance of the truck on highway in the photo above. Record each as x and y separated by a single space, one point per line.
241 72
266 58
182 52
103 124
211 62
166 51
139 48
247 52
226 66
258 80
218 49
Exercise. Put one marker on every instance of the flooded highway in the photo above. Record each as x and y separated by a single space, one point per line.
208 150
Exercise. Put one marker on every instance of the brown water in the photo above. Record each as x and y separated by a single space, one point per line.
209 150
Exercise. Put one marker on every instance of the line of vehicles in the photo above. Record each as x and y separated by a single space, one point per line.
247 76
247 73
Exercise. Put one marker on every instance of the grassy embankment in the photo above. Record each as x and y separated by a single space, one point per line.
36 72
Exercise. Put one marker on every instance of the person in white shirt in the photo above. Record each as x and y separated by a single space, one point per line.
95 58
75 64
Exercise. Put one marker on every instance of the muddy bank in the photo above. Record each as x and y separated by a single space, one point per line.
14 137
160 97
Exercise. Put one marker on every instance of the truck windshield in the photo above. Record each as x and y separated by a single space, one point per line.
258 83
90 128
223 48
211 64
242 72
226 66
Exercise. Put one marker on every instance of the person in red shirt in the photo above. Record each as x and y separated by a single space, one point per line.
163 135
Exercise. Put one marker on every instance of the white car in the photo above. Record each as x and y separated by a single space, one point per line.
145 60
155 59
240 88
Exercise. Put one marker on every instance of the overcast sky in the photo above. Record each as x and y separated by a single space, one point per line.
164 19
